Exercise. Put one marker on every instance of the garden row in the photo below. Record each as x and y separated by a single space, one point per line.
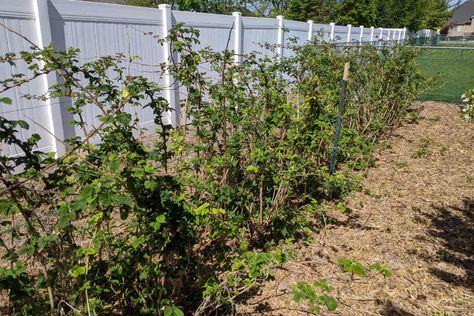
194 220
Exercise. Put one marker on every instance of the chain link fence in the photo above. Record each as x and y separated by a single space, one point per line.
450 62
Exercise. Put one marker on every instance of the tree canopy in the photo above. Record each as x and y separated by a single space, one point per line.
413 14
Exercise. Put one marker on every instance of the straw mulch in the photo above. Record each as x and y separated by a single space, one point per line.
415 213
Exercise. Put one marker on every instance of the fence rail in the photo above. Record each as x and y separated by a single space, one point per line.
99 29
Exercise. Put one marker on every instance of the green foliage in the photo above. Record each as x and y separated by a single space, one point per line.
414 14
354 267
320 11
423 148
467 106
308 293
194 220
444 255
209 6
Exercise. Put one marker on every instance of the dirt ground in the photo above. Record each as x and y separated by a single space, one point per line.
415 214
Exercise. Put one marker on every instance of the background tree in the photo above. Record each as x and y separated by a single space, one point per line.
413 14
357 12
320 11
209 6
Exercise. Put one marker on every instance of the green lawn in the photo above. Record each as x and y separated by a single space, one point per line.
454 72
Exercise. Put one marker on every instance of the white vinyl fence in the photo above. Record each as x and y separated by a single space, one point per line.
99 29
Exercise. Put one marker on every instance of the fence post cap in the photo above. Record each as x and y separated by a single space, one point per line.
349 25
310 21
237 13
332 23
280 17
164 6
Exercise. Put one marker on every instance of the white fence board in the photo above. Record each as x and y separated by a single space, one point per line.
32 111
100 29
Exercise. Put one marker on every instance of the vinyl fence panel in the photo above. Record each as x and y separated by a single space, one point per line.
99 29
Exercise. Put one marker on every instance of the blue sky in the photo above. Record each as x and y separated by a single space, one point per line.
455 1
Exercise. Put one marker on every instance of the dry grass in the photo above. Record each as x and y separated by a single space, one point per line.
416 214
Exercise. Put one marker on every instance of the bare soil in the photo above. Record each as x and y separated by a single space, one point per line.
415 213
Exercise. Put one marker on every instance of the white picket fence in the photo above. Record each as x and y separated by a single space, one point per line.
99 29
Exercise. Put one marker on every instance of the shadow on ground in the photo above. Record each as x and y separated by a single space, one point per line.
454 227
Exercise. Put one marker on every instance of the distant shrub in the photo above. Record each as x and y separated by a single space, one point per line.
467 106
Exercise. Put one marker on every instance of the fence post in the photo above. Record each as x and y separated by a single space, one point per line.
361 34
399 36
44 38
237 37
331 35
372 30
404 34
349 29
310 29
281 35
171 87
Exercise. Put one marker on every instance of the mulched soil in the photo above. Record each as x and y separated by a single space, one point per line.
415 213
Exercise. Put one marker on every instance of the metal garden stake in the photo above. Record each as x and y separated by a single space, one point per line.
342 102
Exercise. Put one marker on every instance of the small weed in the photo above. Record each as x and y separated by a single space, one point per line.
422 149
414 118
303 291
354 267
444 255
341 208
401 164
385 145
443 150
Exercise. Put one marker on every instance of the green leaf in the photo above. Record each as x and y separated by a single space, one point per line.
203 209
323 284
173 311
122 200
78 271
159 220
23 124
6 100
330 302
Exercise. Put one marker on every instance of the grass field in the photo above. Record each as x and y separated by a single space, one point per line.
453 70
